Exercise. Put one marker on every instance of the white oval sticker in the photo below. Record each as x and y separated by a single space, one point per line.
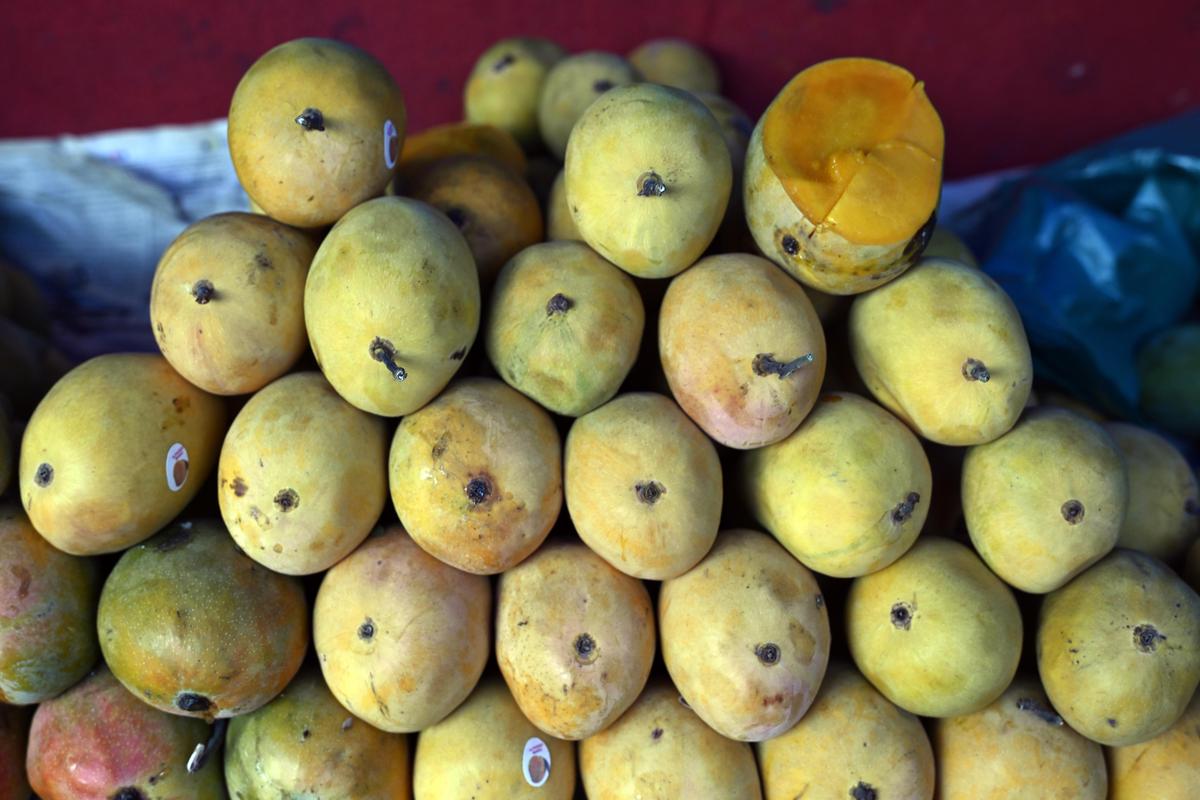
391 144
177 467
535 763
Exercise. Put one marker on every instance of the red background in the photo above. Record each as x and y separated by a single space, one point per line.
1016 82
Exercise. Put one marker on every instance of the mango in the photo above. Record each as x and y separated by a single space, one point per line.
745 636
574 639
492 206
943 348
1169 374
746 369
99 742
935 632
505 84
643 486
487 750
1046 500
227 301
1163 516
570 86
115 451
1166 766
843 174
392 305
304 744
560 225
476 476
847 492
401 637
851 743
457 139
1018 748
192 626
1191 566
301 480
648 178
315 129
659 748
945 243
676 62
564 326
48 618
1118 649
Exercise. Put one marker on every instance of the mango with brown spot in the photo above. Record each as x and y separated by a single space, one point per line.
47 614
476 476
659 748
1018 747
192 626
401 637
486 748
745 636
1118 649
99 742
574 639
573 84
742 349
315 128
852 743
505 85
304 743
943 348
935 632
227 301
115 451
1166 766
493 207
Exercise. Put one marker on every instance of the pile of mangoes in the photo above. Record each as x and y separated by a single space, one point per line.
602 444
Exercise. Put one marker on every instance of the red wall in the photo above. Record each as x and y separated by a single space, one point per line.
1016 82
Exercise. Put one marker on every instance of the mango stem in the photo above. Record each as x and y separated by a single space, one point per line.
311 119
200 755
766 364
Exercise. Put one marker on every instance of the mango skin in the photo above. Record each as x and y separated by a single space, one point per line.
1163 516
505 84
1019 491
310 178
1007 751
847 492
678 63
560 225
493 207
479 429
98 739
625 135
105 429
570 361
478 751
14 737
912 339
1166 766
574 639
187 613
573 84
401 637
304 744
456 139
637 439
47 614
301 480
935 632
715 321
393 273
944 243
1099 656
660 749
720 621
822 755
252 329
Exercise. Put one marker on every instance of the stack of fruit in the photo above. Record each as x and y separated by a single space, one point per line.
681 367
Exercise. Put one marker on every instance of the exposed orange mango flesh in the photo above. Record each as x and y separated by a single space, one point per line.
858 147
459 139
